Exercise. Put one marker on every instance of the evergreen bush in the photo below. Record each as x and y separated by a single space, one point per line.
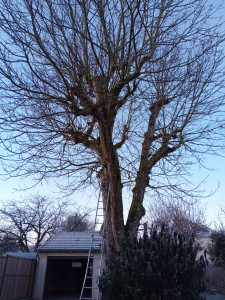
217 248
161 266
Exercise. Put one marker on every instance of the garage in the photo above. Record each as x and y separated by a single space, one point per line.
61 266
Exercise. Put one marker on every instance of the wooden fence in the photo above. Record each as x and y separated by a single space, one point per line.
16 277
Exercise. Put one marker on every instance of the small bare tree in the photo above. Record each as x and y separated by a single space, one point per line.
78 221
188 217
127 92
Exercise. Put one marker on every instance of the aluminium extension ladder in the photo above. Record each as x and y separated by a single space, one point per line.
89 274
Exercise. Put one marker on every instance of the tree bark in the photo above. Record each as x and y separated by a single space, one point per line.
147 162
111 190
113 210
110 176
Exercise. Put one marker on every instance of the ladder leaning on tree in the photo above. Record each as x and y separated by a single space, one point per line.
90 274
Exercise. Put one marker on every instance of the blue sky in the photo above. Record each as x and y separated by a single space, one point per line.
215 184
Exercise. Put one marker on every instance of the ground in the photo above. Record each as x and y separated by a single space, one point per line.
215 296
62 298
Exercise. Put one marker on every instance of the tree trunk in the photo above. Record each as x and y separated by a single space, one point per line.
111 181
137 210
113 207
114 223
23 247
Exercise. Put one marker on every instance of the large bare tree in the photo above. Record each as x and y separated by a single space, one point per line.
126 92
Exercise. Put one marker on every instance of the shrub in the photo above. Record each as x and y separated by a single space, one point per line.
161 266
217 248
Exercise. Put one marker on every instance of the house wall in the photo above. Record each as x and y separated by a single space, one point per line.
42 267
204 243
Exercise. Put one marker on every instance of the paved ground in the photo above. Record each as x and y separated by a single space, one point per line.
208 297
61 298
216 296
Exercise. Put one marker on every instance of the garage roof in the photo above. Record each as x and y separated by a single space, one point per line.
72 242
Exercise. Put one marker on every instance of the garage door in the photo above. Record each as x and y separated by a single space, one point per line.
64 276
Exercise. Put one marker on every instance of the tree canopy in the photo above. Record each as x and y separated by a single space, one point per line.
125 92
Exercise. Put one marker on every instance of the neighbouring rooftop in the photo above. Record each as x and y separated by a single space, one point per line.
205 233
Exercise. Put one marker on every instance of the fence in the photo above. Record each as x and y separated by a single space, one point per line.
16 277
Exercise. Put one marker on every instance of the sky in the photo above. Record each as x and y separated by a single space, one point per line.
214 184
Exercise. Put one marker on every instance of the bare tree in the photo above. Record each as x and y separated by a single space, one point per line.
30 222
8 244
79 221
126 92
188 217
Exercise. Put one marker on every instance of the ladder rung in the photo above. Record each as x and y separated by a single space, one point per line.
90 287
94 276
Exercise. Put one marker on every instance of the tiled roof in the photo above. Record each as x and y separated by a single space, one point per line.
72 242
206 232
